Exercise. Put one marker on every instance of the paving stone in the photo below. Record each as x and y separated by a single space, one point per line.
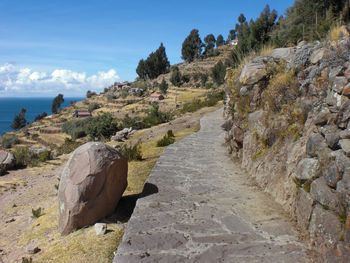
205 210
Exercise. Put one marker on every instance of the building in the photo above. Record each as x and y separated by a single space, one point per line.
233 42
156 97
82 114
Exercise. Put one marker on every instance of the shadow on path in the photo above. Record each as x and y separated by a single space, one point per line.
127 204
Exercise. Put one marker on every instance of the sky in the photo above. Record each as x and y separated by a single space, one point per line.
69 47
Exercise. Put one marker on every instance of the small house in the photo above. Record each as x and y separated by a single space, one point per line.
156 97
82 114
233 42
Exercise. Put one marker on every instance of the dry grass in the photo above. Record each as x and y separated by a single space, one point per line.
266 50
337 32
84 245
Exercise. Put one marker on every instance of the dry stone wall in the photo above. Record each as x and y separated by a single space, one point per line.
288 122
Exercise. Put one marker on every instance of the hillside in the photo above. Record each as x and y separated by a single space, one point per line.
35 186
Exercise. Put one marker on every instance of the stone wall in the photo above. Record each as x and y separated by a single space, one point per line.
288 123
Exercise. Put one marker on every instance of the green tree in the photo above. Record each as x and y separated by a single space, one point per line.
141 69
218 73
176 77
19 121
220 41
156 64
210 44
90 93
163 86
192 46
56 103
231 35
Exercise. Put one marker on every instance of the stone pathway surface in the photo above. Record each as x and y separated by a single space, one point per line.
207 210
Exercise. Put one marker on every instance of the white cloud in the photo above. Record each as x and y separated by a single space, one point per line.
16 81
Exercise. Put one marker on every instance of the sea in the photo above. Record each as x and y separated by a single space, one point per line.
9 107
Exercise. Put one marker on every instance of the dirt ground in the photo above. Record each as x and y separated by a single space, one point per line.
31 188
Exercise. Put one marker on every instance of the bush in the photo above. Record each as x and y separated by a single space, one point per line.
102 127
176 77
170 134
40 116
44 156
110 98
218 73
93 106
24 157
155 116
90 93
77 128
166 140
68 146
8 140
125 93
128 122
131 153
36 212
204 79
185 78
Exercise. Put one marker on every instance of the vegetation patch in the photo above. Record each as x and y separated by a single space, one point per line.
168 139
9 140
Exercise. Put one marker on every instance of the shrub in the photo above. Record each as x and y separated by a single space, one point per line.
77 128
68 146
128 122
110 98
90 93
8 140
93 106
165 141
218 73
36 212
170 134
185 78
124 93
131 153
155 116
27 260
102 127
24 157
163 86
40 116
204 79
176 77
44 156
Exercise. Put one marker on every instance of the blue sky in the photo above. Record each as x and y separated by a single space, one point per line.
87 44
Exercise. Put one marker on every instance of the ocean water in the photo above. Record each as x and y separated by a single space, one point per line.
34 106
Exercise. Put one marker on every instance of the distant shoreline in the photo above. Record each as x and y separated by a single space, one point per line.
9 106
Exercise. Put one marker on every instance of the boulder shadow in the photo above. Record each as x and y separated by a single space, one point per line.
127 204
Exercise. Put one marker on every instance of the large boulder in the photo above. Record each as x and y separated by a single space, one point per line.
254 71
92 183
7 161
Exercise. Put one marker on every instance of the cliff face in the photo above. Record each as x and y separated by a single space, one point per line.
287 122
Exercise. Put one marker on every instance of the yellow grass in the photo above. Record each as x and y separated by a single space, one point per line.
337 32
266 50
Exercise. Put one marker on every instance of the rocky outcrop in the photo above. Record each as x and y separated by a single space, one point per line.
123 135
294 123
92 182
7 161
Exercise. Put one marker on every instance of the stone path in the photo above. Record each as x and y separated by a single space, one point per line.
207 210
